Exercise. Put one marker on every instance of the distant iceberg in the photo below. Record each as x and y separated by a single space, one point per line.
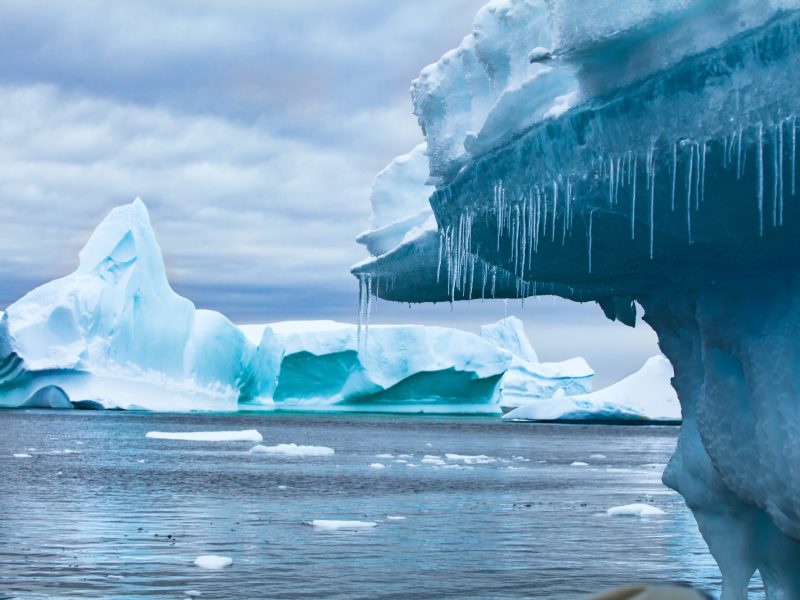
646 395
114 334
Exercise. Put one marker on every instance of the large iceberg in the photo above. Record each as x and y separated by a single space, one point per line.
646 395
639 152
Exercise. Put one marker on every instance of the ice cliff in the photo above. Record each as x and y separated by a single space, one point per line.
646 152
114 334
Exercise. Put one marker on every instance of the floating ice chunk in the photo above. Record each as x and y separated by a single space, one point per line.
597 456
377 466
635 510
293 450
247 435
385 455
22 455
477 459
332 525
213 562
412 465
395 518
433 460
578 463
192 593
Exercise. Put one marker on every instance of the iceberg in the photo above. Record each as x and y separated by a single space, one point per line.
527 379
639 155
646 395
114 334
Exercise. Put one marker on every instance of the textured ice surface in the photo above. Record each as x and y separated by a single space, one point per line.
644 395
648 154
247 435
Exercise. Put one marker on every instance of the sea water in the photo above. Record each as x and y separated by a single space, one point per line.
489 509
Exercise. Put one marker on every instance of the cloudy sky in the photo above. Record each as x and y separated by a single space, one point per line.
252 130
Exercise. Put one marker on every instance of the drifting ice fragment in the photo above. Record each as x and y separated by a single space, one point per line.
293 450
213 562
635 510
248 435
332 525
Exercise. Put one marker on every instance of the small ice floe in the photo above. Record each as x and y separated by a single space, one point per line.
213 562
141 461
412 465
79 443
541 462
247 435
293 450
377 466
405 456
456 467
513 468
430 459
192 593
521 459
578 463
395 518
474 459
22 455
281 487
384 455
331 525
638 509
597 456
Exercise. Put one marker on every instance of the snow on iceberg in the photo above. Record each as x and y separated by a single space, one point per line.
654 165
247 435
645 395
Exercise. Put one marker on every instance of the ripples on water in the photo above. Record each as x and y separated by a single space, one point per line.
126 516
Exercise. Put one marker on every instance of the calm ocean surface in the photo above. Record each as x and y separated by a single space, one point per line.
122 516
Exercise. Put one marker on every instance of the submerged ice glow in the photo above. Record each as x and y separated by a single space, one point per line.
648 154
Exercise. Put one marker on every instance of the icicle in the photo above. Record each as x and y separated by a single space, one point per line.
794 155
739 154
439 265
689 194
702 175
555 208
760 179
360 308
775 176
674 171
633 199
611 181
780 174
652 196
589 245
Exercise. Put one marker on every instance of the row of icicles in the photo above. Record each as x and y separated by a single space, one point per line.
546 212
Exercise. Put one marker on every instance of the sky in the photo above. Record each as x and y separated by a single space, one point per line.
252 130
